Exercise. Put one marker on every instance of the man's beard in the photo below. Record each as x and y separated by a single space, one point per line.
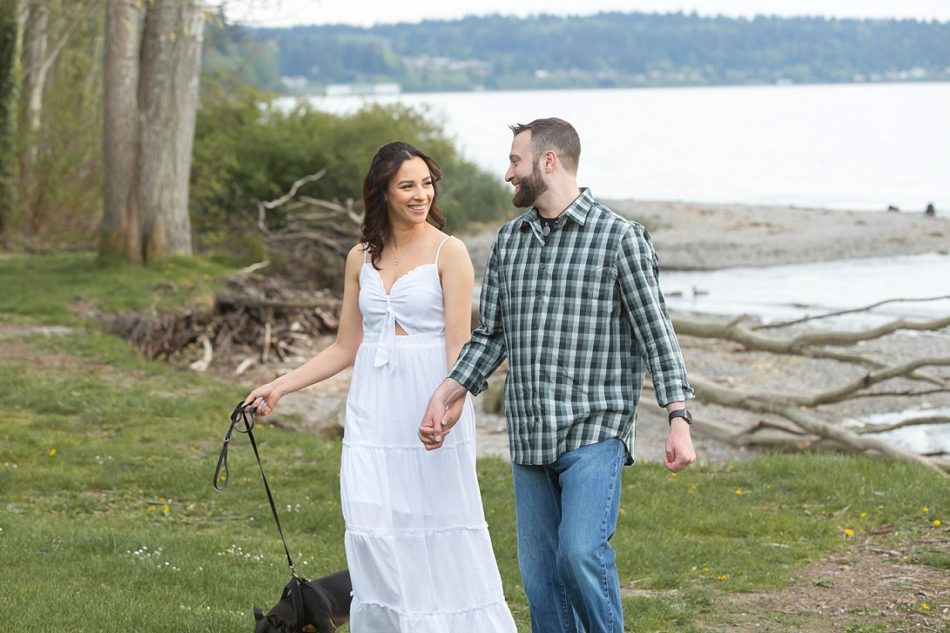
530 189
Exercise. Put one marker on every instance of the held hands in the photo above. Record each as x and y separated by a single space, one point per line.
438 421
679 447
265 398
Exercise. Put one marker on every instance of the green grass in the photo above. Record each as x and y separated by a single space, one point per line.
47 289
109 521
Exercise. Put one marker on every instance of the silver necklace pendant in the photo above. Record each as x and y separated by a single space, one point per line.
545 230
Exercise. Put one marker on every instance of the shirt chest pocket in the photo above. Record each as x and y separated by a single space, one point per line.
599 284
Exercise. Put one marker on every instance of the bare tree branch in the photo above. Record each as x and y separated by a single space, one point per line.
783 405
740 334
827 315
926 421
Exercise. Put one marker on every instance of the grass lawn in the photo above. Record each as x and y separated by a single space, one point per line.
109 521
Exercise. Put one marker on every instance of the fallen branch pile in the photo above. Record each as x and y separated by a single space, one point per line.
253 320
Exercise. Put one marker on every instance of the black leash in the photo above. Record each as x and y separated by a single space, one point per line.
245 414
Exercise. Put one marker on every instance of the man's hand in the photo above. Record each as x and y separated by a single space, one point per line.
679 447
444 410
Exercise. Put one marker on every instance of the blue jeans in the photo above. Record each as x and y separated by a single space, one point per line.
567 514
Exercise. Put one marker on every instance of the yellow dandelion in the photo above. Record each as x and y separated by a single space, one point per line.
705 569
723 578
52 452
165 509
848 532
864 515
738 492
937 523
151 509
925 607
623 512
925 509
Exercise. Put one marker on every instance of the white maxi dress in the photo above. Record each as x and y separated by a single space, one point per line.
417 544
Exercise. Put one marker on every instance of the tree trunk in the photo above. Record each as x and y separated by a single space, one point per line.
151 98
33 71
9 29
168 101
121 232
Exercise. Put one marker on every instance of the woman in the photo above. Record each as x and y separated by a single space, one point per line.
417 545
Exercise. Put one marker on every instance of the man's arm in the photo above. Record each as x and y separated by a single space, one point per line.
479 357
638 275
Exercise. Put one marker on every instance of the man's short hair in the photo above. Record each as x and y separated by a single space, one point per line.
553 134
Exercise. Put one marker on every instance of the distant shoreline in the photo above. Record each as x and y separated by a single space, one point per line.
555 87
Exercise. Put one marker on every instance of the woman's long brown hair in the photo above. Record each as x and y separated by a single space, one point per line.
387 161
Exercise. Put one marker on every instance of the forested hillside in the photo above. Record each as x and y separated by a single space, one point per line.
609 50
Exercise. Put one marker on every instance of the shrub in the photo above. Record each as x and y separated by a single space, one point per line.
247 148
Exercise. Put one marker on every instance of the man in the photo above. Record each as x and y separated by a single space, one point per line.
571 298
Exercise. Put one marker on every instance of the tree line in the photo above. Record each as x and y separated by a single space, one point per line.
610 50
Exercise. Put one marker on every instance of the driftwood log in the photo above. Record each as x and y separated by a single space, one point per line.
801 425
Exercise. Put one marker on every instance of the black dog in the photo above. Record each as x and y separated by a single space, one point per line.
326 605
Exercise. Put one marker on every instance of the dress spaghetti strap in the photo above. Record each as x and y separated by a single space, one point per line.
439 250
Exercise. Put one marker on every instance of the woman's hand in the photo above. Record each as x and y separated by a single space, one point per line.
265 398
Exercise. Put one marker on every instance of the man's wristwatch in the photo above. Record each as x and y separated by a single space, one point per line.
681 413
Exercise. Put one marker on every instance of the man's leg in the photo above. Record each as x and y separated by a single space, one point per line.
590 479
538 510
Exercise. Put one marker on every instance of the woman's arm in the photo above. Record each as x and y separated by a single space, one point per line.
335 358
458 283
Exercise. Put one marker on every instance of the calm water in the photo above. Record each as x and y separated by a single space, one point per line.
838 146
788 292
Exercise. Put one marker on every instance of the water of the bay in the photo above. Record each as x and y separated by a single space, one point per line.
855 146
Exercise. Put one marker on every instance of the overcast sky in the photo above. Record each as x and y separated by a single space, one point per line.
368 12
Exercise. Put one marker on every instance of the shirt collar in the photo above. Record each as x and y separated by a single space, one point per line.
577 211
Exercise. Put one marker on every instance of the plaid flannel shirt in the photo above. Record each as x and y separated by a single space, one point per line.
580 317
